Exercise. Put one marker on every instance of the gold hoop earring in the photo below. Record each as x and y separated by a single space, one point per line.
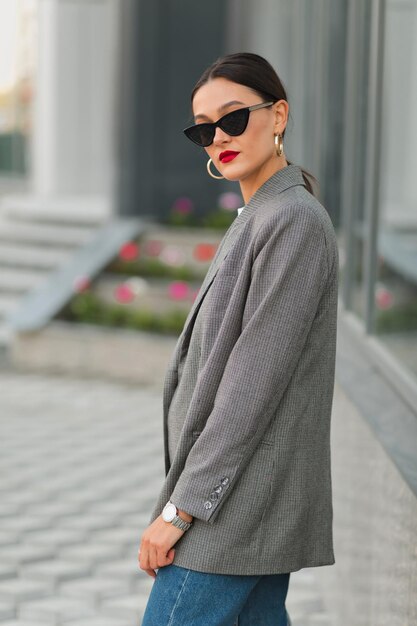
209 162
279 144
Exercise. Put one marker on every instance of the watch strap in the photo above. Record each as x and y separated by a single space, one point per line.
181 523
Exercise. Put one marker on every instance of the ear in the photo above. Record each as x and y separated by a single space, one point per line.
281 109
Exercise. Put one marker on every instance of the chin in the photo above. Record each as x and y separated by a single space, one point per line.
238 175
234 179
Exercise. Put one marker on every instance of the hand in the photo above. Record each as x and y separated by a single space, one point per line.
156 545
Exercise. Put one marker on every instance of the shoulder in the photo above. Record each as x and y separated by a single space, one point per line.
295 215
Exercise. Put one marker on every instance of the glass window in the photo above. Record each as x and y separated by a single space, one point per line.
396 287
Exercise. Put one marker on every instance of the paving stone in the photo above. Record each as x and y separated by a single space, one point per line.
86 522
116 507
91 553
19 554
56 571
131 607
7 571
101 621
8 537
320 620
123 537
26 522
124 569
95 589
18 589
26 497
7 610
10 508
55 509
71 465
21 622
139 520
55 610
56 538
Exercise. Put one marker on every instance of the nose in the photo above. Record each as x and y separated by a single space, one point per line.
220 136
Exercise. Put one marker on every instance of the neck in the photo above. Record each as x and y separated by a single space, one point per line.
252 182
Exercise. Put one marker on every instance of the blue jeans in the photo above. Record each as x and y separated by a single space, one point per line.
184 597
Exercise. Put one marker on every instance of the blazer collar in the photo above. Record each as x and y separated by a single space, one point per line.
283 179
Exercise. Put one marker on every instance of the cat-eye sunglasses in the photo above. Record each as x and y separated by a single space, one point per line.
233 123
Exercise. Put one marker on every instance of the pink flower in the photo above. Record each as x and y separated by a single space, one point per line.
384 298
81 283
229 200
172 255
183 205
178 290
124 293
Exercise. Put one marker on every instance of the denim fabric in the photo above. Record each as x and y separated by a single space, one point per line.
185 597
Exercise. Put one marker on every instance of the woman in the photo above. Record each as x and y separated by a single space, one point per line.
248 391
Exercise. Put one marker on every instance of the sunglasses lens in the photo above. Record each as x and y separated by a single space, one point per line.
201 134
235 123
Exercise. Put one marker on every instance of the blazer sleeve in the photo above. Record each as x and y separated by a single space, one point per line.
289 276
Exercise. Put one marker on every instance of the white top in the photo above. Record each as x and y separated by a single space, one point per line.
239 210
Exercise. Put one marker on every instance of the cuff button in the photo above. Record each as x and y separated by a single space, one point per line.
214 495
224 480
207 505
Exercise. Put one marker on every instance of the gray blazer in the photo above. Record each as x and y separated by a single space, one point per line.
249 388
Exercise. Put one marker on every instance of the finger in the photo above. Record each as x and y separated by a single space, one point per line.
151 573
153 557
165 559
144 558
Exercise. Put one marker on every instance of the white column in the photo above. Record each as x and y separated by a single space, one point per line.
73 149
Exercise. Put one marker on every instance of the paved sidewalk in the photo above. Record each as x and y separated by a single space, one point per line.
80 467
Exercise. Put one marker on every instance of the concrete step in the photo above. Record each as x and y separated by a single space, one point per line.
5 334
85 210
45 234
14 280
18 255
8 303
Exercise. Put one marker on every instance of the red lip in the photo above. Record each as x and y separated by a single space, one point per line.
227 156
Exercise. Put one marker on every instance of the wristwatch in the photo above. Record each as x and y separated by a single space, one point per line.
170 514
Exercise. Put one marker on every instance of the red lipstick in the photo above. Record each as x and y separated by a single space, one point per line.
227 156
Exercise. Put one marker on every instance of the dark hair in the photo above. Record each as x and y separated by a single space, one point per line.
255 72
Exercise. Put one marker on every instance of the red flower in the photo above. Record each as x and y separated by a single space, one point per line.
129 251
204 251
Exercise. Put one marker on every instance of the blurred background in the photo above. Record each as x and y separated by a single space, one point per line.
108 224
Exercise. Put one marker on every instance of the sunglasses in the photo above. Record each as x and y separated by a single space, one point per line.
233 124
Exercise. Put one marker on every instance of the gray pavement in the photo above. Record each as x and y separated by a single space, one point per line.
80 467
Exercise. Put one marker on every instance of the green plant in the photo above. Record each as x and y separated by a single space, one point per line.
150 266
218 219
398 319
88 308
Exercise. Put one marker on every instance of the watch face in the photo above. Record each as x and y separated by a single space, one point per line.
169 512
